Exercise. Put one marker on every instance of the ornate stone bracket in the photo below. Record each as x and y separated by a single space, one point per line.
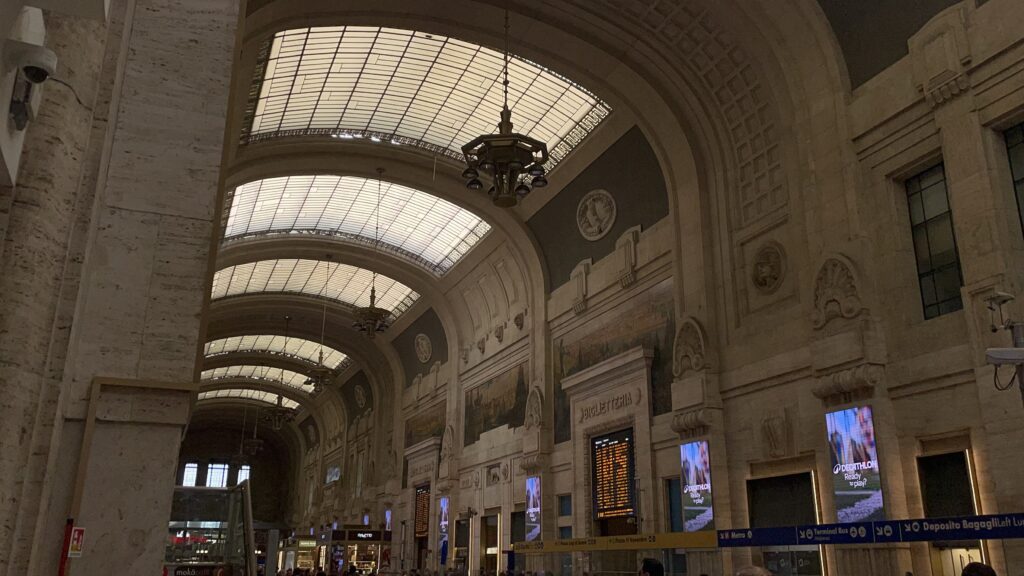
692 423
940 53
578 277
850 384
533 463
625 251
836 292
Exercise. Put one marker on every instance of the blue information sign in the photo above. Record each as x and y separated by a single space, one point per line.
991 527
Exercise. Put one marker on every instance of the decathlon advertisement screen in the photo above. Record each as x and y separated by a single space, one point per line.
855 478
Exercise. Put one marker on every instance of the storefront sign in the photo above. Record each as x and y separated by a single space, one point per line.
358 535
665 540
533 508
600 407
856 482
698 513
307 543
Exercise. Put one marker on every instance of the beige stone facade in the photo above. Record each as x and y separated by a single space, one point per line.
773 280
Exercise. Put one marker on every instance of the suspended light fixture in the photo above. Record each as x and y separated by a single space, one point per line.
254 445
513 162
371 319
320 375
280 415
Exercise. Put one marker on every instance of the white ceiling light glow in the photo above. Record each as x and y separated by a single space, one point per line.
247 394
420 227
409 88
251 372
274 344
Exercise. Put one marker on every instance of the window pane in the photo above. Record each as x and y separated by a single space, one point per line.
243 474
191 470
928 290
940 241
673 493
565 505
916 209
947 283
564 532
217 475
924 261
934 199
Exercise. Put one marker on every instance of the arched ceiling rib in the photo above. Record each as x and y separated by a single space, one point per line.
347 284
253 372
408 88
418 226
249 394
275 345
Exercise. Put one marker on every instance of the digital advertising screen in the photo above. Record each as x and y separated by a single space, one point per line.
421 526
387 519
856 482
698 513
442 505
532 508
613 475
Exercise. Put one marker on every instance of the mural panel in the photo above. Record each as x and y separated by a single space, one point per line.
428 423
358 397
497 402
647 320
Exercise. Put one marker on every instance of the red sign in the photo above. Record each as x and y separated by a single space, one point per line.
76 543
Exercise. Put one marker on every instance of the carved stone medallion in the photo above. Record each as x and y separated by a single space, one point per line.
424 349
360 395
595 214
769 268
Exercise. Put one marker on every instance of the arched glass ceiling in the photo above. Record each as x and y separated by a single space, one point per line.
408 87
425 229
257 395
274 344
286 377
347 284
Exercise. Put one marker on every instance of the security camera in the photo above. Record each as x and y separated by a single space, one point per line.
37 63
1001 356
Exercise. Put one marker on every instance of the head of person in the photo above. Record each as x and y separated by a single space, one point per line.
651 567
753 571
978 569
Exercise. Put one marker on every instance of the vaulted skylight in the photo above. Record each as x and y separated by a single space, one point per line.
274 344
286 377
341 282
409 88
425 229
244 393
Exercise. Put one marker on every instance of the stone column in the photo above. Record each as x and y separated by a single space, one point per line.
42 209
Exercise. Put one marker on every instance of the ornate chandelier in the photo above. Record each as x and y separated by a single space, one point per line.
371 319
513 162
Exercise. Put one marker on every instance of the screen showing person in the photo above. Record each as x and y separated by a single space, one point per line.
442 505
532 508
856 481
387 520
698 513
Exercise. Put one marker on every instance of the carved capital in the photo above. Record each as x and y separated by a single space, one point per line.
690 348
533 463
578 277
845 384
691 423
836 292
625 250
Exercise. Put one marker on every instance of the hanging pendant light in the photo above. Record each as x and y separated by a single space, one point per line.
513 162
254 445
320 375
371 319
280 415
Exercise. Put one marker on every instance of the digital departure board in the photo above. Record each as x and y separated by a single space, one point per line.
613 474
421 523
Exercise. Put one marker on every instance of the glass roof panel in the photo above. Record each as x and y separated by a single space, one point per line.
257 395
274 344
421 227
269 373
341 282
406 87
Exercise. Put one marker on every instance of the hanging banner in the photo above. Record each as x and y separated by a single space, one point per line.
532 508
443 505
856 482
698 512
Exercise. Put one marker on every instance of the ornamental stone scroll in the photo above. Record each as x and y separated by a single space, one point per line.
690 348
836 292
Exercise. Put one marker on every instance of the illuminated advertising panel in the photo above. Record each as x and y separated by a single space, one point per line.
387 519
856 482
421 511
532 508
443 525
613 475
698 513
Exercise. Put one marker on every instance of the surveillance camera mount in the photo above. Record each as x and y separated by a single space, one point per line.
999 356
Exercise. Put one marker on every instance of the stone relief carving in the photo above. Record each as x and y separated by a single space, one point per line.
493 475
534 462
481 344
941 54
578 277
690 348
519 320
845 383
534 409
464 355
835 292
471 480
769 268
775 432
424 348
625 248
360 395
595 214
446 443
499 332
